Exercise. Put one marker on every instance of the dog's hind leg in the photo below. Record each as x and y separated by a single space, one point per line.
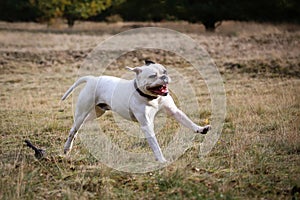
78 123
73 133
84 111
97 112
70 140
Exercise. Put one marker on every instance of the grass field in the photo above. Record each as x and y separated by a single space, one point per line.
256 157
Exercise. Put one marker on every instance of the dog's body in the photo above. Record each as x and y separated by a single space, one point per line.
137 100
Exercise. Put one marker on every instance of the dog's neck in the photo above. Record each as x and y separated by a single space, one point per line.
142 93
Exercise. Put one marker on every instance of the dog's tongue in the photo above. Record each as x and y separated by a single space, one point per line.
164 89
160 90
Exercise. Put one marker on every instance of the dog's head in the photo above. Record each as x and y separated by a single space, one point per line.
152 79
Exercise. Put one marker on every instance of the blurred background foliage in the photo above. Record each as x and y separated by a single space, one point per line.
208 12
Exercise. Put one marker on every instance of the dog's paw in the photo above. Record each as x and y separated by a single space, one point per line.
67 151
203 130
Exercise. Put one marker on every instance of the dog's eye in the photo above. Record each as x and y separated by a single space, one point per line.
153 76
165 72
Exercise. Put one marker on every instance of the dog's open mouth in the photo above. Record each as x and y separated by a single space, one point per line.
159 90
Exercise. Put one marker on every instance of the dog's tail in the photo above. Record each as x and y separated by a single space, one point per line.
78 82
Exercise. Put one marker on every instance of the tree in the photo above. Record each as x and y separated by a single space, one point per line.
17 10
212 12
137 10
71 10
272 11
208 12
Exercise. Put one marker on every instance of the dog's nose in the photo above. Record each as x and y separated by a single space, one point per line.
164 78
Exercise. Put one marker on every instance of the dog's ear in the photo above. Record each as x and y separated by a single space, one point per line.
137 70
149 62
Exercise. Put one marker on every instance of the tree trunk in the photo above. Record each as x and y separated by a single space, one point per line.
71 22
210 25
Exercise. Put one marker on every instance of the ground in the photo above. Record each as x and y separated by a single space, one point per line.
256 157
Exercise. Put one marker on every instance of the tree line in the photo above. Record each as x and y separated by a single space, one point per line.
208 12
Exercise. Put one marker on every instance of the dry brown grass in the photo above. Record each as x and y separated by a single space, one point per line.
256 157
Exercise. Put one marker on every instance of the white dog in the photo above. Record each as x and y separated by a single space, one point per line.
137 100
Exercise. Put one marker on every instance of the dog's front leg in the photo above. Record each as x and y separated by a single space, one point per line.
150 136
181 117
184 120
